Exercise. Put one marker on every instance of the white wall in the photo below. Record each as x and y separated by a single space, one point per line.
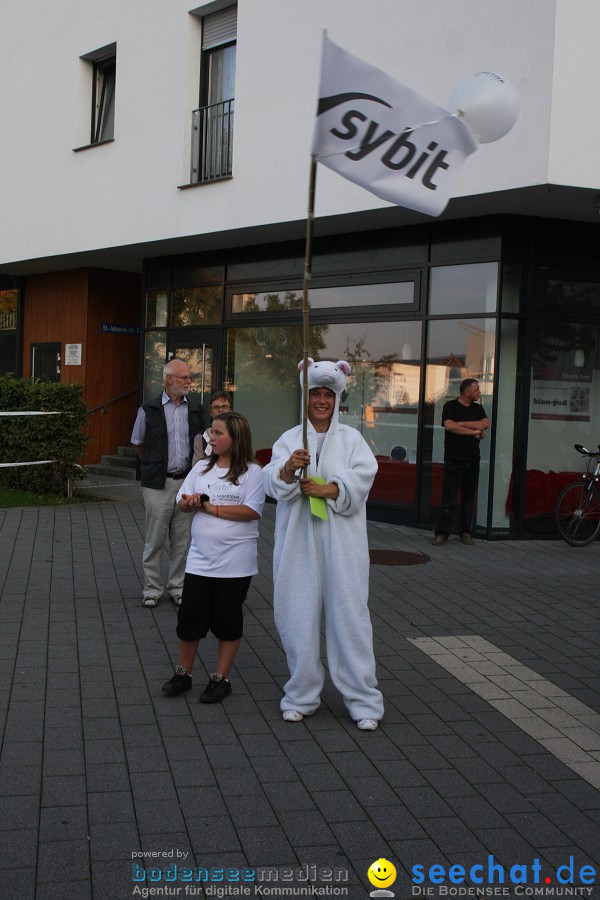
55 201
575 134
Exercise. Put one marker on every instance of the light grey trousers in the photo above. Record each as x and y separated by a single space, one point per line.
165 521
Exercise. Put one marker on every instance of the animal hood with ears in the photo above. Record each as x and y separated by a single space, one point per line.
329 375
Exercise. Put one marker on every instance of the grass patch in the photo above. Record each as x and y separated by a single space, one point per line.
10 497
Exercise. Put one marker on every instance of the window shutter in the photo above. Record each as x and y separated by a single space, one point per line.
219 28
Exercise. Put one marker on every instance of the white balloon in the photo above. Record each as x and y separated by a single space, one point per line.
488 103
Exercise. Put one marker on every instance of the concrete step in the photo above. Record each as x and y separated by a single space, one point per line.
127 451
127 462
126 472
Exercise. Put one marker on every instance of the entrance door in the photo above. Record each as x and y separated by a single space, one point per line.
45 361
202 358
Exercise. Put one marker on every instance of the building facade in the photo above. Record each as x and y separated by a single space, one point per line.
165 215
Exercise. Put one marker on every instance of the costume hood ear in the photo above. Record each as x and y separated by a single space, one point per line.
327 374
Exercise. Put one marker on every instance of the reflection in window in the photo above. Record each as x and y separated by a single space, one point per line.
565 398
201 362
457 349
196 306
381 401
326 297
261 371
8 310
463 289
505 423
564 292
157 306
155 357
564 410
8 328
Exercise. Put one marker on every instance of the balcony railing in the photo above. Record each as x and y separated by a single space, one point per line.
212 142
8 320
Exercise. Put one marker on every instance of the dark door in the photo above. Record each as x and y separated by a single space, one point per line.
45 361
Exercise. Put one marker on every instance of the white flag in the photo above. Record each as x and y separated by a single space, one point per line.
383 136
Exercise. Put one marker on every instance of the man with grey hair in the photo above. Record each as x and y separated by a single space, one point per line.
163 435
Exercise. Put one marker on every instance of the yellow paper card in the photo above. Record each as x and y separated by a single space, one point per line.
318 506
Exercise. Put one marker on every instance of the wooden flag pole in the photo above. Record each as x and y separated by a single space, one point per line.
306 288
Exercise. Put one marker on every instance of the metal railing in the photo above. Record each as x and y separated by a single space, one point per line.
212 142
102 406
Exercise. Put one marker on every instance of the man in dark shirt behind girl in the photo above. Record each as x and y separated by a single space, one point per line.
465 424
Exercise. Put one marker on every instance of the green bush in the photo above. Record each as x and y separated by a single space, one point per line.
30 438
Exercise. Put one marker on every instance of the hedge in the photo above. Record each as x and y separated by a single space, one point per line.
29 438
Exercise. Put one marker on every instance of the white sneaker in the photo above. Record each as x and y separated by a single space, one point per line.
368 724
292 715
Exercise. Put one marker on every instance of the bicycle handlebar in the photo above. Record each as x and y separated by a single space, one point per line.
581 449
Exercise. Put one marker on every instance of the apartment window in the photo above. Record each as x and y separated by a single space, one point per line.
103 100
212 123
100 73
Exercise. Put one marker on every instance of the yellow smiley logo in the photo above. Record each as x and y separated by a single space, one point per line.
382 873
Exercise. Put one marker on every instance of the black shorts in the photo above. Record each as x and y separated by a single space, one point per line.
212 604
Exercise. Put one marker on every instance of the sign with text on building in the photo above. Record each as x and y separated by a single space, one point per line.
561 394
73 354
110 328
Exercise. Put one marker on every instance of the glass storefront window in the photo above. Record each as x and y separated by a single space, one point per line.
157 307
260 370
197 306
569 293
564 410
155 357
463 289
8 330
201 360
382 398
505 424
402 292
514 287
456 349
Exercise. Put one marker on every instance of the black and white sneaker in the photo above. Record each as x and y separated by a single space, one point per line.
178 684
216 690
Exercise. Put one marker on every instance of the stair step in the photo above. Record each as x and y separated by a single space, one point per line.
112 471
128 462
127 451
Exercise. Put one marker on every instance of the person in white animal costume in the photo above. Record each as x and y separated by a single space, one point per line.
322 565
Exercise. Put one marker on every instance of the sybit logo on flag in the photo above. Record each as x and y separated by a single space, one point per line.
385 137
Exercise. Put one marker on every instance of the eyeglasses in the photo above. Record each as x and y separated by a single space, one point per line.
223 407
182 377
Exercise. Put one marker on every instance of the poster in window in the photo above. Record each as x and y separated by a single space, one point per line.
562 393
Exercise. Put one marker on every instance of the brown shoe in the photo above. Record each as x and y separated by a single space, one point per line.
440 539
467 538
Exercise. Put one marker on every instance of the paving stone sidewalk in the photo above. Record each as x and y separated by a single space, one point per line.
488 659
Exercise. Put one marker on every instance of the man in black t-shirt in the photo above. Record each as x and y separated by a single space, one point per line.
465 424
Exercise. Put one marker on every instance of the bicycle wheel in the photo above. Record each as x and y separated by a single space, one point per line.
577 514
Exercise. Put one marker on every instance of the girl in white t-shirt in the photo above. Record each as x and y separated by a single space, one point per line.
226 496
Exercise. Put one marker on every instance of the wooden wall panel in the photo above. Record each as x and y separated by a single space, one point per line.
113 359
55 309
71 307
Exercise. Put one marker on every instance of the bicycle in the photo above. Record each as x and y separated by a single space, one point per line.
577 511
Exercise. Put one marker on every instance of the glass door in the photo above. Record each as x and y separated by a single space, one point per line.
201 355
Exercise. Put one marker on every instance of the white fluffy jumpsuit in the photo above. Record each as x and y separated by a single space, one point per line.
321 566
